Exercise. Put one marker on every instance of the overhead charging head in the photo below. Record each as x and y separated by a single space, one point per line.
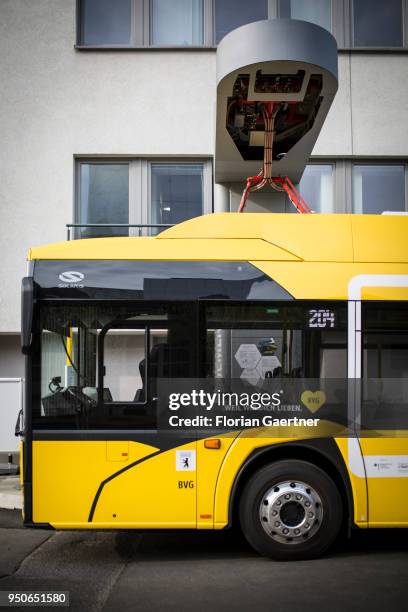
276 80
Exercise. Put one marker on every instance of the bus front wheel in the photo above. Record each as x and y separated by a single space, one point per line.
290 510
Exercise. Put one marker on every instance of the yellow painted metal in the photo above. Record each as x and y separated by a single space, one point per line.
308 237
326 281
69 346
152 494
385 293
117 450
380 238
254 236
209 462
358 487
151 249
67 475
387 495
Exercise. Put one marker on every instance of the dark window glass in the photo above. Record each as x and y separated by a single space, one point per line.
386 355
176 192
315 11
377 24
230 14
106 22
254 342
385 317
378 188
104 198
385 366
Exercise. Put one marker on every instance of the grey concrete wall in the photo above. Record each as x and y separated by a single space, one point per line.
57 103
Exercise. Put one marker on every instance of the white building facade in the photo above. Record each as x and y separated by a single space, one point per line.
107 116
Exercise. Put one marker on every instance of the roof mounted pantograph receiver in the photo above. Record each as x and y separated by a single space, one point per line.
276 80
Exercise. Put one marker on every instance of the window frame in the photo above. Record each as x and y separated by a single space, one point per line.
343 25
342 28
380 163
140 186
343 178
141 31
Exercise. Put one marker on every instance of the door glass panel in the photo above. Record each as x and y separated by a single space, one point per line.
124 359
385 366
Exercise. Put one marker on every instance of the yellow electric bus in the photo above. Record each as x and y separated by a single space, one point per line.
221 297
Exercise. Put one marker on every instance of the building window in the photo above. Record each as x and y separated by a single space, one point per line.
315 11
142 195
378 188
316 186
340 186
177 23
231 14
105 22
103 198
176 192
190 23
377 24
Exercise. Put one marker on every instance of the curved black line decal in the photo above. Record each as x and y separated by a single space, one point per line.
111 477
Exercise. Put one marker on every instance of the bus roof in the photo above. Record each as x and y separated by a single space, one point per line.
259 237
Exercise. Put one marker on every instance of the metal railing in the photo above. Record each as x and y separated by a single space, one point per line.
138 226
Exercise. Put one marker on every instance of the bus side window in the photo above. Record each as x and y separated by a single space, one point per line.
385 365
253 342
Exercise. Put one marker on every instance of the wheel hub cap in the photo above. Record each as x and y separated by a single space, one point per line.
291 512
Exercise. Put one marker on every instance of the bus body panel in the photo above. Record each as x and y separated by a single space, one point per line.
209 463
67 475
328 280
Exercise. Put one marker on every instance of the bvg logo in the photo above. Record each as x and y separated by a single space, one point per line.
313 401
71 278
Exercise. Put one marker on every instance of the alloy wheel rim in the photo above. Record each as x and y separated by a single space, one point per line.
291 512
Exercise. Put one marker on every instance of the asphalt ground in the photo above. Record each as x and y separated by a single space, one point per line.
201 571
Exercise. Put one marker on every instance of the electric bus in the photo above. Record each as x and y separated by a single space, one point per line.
221 297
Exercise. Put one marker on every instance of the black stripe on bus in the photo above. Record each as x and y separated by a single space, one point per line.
112 476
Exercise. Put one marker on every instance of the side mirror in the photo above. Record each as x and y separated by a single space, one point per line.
27 307
19 429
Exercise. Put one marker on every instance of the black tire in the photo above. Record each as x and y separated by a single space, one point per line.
255 496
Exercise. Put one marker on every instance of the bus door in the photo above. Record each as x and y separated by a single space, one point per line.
128 390
96 434
382 410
